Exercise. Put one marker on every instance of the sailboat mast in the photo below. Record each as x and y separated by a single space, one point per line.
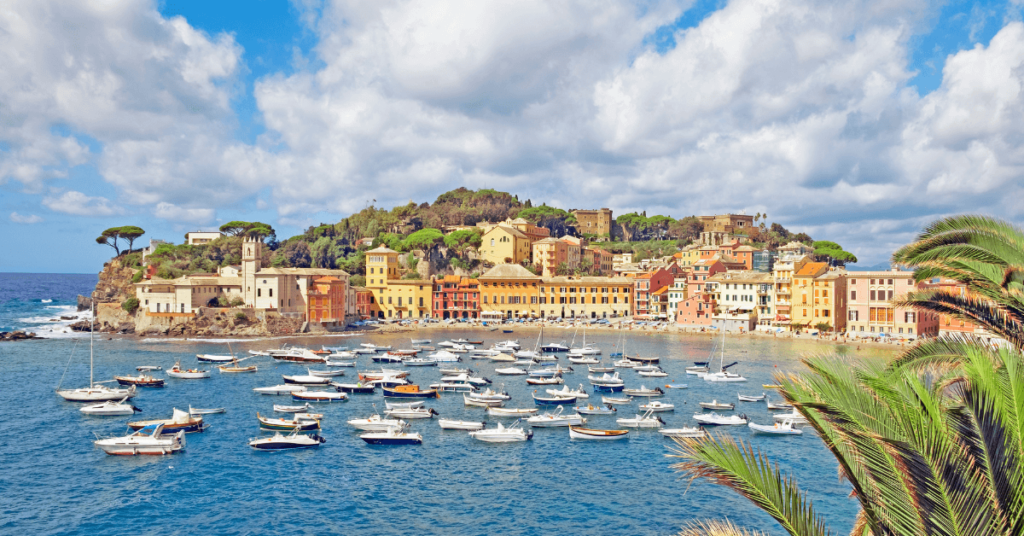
92 325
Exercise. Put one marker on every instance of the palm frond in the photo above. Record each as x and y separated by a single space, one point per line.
708 527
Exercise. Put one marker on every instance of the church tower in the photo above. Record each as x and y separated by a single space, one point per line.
251 253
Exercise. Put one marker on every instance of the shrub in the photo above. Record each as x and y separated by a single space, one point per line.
236 302
130 305
240 316
137 277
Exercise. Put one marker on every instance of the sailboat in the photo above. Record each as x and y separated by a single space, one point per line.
531 354
585 349
95 392
723 375
700 368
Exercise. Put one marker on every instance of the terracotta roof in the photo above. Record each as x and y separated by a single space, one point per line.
509 271
646 275
812 268
327 279
660 291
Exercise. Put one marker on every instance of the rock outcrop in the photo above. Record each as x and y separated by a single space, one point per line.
84 303
9 336
115 284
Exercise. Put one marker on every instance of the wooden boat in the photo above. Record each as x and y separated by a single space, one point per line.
408 391
205 411
148 440
298 423
292 441
319 396
179 421
470 400
280 408
716 405
510 412
285 389
392 436
780 428
591 409
451 424
237 369
748 398
187 374
578 432
142 380
686 431
355 388
326 373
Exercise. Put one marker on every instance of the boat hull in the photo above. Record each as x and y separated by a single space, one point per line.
307 396
597 435
96 395
540 401
392 393
608 388
144 447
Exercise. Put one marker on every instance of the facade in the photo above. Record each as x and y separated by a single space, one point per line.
198 238
697 310
871 311
549 253
719 229
502 243
327 301
795 249
742 254
594 222
819 297
687 256
622 258
587 296
395 298
677 294
764 261
600 259
509 291
365 303
456 297
644 285
573 251
743 292
783 272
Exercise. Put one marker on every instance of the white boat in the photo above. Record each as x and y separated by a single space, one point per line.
624 363
510 412
583 360
780 405
148 368
616 400
501 434
587 349
419 362
526 354
491 394
464 378
657 406
697 370
148 440
187 374
719 419
453 387
591 409
403 405
510 371
644 391
211 358
545 358
482 402
555 420
374 347
305 379
480 352
451 424
653 373
393 436
578 432
95 392
647 420
292 441
420 341
364 351
454 371
606 379
331 363
780 428
283 389
205 411
326 373
565 391
748 398
319 396
110 408
376 423
508 344
411 413
723 376
600 370
795 416
292 409
686 431
716 405
554 380
444 356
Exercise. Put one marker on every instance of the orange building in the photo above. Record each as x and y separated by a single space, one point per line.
326 303
549 253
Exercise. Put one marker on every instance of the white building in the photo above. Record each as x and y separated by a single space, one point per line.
676 295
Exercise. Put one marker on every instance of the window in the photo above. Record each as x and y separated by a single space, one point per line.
890 292
873 295
389 300
853 294
890 282
259 292
271 293
853 281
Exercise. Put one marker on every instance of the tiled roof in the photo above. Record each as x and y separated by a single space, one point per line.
382 249
812 268
509 271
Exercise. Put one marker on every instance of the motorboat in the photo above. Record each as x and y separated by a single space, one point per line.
376 423
392 436
556 380
142 380
644 391
148 368
456 387
419 362
647 420
452 424
591 409
684 432
600 370
403 405
319 396
795 416
283 389
375 348
625 362
298 355
547 372
526 354
586 349
606 379
206 411
210 358
147 440
305 379
544 358
388 382
510 371
405 352
645 360
565 391
299 422
95 392
716 405
454 371
503 358
699 370
657 406
554 347
582 360
780 405
464 378
280 408
347 364
382 374
420 341
578 432
780 428
514 345
719 419
748 398
676 386
443 356
179 421
326 373
491 394
501 434
357 388
552 400
187 374
411 413
483 352
294 440
110 408
652 373
408 391
555 420
364 351
510 412
482 402
646 368
387 358
616 400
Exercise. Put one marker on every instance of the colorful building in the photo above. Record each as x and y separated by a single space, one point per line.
819 297
871 309
739 293
644 285
600 259
505 244
395 298
549 253
589 296
785 267
327 301
456 297
594 222
509 291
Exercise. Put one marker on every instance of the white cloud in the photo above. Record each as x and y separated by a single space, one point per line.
178 214
79 204
27 219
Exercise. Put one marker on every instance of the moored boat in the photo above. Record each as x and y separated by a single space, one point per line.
780 428
205 411
142 380
657 406
279 441
110 408
716 405
319 396
284 389
502 434
305 379
411 413
376 423
578 432
210 358
749 398
644 391
720 420
470 400
647 420
301 422
552 400
187 374
392 436
148 440
616 400
591 409
556 420
511 412
355 388
408 391
179 421
555 380
684 432
452 424
280 408
565 391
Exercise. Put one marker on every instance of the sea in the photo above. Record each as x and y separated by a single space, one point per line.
54 481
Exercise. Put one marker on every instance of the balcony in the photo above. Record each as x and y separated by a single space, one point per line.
783 304
781 291
783 280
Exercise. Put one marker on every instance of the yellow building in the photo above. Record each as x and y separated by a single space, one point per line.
689 255
503 244
511 291
549 253
391 296
782 273
819 296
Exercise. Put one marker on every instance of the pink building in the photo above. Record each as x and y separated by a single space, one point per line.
646 284
870 308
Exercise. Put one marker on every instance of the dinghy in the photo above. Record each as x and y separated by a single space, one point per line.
684 432
780 428
510 412
451 424
577 432
748 398
591 409
205 411
716 405
565 391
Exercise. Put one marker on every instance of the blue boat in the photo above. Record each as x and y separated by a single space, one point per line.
409 391
553 401
608 388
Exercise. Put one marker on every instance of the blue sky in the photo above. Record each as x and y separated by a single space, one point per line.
833 119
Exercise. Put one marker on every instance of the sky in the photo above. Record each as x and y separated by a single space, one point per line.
857 122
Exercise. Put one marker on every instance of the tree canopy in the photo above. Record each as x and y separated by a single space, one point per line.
128 233
831 252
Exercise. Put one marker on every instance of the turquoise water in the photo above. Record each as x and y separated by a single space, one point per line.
55 481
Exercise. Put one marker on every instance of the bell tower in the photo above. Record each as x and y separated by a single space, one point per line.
251 253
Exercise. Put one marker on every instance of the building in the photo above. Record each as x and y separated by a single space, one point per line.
742 254
764 261
871 311
504 244
395 298
957 326
327 301
549 253
365 303
594 222
677 294
697 310
782 273
819 297
795 249
198 238
456 297
622 258
587 296
719 229
600 259
509 291
705 268
644 285
739 293
687 256
573 251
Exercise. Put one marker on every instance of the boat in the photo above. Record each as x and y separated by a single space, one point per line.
591 409
305 379
363 351
209 358
684 432
565 391
723 375
387 358
284 389
419 362
355 388
148 368
451 424
444 356
506 344
554 347
653 373
556 420
657 406
319 396
298 355
235 368
95 392
644 391
780 405
299 423
411 413
506 331
606 380
645 360
376 423
294 440
148 440
716 405
482 402
616 400
374 347
142 380
582 360
578 432
510 412
454 371
281 408
646 368
392 436
780 428
675 386
501 434
748 398
187 374
552 400
547 371
599 370
110 408
399 405
205 411
625 362
719 419
409 391
348 364
420 341
326 373
405 352
491 394
795 416
556 380
179 421
464 378
382 374
510 371
647 420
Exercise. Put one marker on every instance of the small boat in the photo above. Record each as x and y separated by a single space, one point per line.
616 400
179 421
577 432
647 420
644 391
419 362
142 380
510 412
387 358
319 396
653 373
148 368
205 411
546 372
284 389
686 431
209 358
491 394
444 357
716 405
405 352
326 373
187 374
299 355
748 398
408 391
556 420
795 416
675 386
280 408
383 374
482 402
510 371
374 347
451 424
552 400
780 405
294 440
305 379
376 423
392 436
411 413
464 378
565 391
420 341
299 423
506 331
348 364
454 371
646 368
657 406
607 380
697 370
235 368
557 380
645 360
582 360
599 370
148 440
403 405
363 351
110 408
591 409
501 434
452 387
554 347
355 388
625 362
780 428
94 392
719 419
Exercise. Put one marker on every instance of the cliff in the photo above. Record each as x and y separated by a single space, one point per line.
115 284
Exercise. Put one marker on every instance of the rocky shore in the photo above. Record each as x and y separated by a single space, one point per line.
10 336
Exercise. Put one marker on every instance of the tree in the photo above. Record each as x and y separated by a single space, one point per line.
830 252
109 238
130 305
130 233
423 239
321 253
235 228
462 239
